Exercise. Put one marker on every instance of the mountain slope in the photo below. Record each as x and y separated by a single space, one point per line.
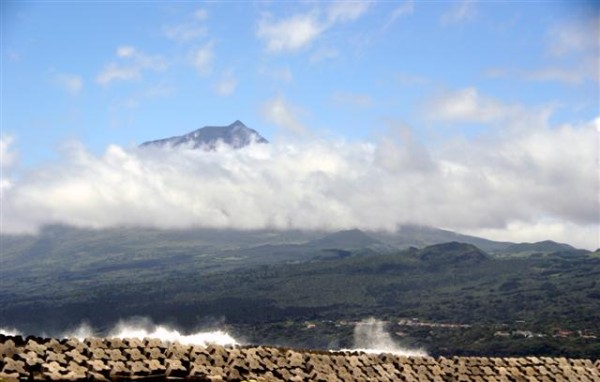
349 239
445 284
420 236
547 246
63 248
236 135
453 253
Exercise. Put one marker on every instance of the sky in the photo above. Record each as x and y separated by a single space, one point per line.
481 117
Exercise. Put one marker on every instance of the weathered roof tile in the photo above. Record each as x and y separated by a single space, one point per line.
102 360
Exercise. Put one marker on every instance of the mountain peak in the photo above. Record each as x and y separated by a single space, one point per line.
236 135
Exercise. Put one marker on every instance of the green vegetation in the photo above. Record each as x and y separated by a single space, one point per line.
457 299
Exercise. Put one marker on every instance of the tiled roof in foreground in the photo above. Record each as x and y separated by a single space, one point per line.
115 359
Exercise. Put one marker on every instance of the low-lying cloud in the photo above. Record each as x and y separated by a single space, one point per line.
507 185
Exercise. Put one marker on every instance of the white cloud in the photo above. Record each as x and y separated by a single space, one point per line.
467 105
575 46
227 84
352 99
557 230
537 168
299 31
113 72
407 8
291 34
461 12
190 30
573 55
7 160
122 109
7 156
537 183
131 66
125 51
194 33
348 11
203 57
283 114
69 82
5 184
575 37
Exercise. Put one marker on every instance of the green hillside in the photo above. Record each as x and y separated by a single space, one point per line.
471 302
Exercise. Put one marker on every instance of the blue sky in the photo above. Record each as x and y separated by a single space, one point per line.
451 75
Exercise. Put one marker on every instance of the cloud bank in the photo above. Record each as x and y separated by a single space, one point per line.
529 184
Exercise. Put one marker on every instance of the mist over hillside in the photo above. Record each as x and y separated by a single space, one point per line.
225 178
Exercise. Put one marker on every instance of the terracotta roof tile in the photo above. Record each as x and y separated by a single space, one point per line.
103 360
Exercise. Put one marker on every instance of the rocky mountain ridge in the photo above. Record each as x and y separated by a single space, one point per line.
237 135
